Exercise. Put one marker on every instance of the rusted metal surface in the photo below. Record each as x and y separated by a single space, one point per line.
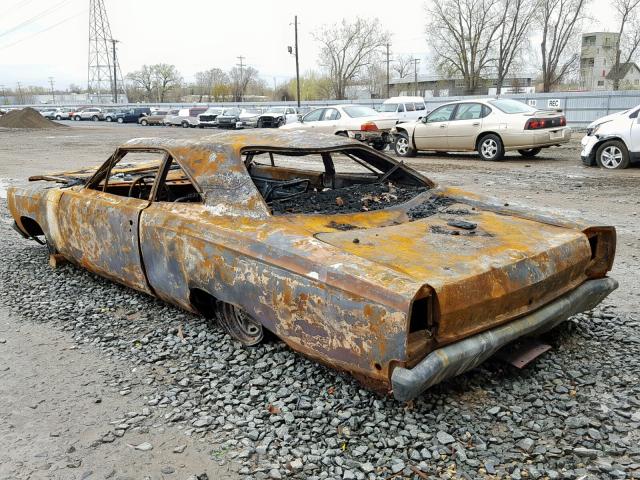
401 291
524 353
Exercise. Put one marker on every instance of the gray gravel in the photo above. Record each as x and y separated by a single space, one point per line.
574 414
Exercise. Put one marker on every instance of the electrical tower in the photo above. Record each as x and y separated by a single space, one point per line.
104 79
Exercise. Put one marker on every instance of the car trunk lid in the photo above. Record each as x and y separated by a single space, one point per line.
484 276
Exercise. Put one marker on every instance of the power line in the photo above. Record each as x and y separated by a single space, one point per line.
35 17
42 31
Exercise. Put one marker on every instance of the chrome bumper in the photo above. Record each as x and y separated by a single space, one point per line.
456 358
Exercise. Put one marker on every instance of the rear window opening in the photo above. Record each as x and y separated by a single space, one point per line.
343 181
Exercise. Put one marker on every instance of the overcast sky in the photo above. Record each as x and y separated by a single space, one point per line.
49 38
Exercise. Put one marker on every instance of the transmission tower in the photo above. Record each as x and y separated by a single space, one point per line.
104 79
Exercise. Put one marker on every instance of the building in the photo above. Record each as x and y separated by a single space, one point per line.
597 58
629 77
438 86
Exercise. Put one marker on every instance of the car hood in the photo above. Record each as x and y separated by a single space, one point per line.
607 118
503 268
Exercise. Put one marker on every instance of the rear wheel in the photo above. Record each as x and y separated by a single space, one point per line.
77 118
239 324
379 145
144 122
490 147
58 117
95 118
120 120
185 124
530 152
403 147
612 155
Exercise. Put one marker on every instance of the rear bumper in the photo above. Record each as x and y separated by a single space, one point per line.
456 358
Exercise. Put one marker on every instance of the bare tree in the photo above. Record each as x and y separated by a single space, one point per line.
166 77
560 22
628 39
462 34
512 35
156 80
240 79
403 66
347 49
144 80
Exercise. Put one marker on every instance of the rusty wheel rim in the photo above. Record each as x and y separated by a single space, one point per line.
240 325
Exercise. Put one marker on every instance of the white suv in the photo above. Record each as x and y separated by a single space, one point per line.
613 141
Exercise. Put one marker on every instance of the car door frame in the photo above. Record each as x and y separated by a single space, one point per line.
466 129
100 230
437 134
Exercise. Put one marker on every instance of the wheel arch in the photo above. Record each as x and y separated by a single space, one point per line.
30 226
481 135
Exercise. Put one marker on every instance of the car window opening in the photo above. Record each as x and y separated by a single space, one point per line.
134 174
345 181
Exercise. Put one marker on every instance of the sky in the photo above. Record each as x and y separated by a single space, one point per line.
49 38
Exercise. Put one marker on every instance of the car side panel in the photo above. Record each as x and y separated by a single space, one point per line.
342 329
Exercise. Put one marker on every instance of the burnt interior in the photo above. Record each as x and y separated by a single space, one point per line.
328 182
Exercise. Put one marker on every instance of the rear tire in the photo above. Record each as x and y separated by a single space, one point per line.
185 124
490 148
120 120
612 155
530 152
58 117
77 118
144 123
95 118
402 146
109 119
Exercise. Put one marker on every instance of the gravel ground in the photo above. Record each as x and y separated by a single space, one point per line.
270 413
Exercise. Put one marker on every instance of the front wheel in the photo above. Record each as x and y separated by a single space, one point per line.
530 152
240 325
403 147
58 117
120 120
144 123
185 124
379 145
77 118
109 119
490 148
95 118
612 155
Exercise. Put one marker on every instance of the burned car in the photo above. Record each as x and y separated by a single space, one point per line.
350 257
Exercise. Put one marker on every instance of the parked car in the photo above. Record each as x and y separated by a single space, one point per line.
402 295
239 118
156 117
490 127
51 113
89 113
110 114
209 117
404 108
354 121
186 117
63 114
132 115
613 142
275 117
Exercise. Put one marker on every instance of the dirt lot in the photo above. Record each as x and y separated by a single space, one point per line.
59 401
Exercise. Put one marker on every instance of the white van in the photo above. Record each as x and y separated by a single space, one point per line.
404 108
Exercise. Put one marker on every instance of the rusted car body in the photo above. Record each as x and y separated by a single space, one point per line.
402 292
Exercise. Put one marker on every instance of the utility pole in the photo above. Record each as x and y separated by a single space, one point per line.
53 93
295 21
115 70
388 45
415 74
241 65
4 94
